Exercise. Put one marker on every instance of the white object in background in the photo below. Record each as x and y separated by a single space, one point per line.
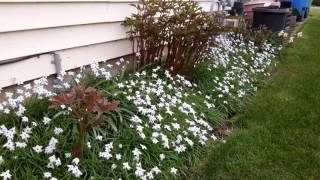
231 22
215 6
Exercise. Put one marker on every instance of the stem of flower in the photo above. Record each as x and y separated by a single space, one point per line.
82 135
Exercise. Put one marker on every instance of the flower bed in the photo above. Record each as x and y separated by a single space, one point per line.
234 68
161 125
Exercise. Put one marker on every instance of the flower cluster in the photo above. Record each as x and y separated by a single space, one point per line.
236 67
286 36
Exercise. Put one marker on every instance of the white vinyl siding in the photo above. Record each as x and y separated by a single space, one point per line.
80 31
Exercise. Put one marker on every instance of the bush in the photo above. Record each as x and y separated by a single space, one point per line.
181 26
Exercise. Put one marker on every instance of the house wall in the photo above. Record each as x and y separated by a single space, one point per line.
80 31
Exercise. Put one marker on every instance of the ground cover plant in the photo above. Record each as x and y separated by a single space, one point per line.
234 69
156 130
149 124
278 136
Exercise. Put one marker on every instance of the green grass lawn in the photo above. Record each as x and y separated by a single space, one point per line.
278 137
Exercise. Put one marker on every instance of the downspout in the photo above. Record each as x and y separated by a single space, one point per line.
56 60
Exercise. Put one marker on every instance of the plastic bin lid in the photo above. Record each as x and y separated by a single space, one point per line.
271 10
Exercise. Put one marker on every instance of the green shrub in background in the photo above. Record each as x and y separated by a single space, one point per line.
316 2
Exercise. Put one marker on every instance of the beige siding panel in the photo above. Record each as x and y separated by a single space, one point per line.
206 5
73 1
25 16
23 43
81 32
77 57
71 58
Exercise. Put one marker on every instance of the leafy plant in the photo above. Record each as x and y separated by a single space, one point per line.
83 103
176 33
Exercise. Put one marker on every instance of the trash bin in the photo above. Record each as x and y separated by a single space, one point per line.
285 4
275 19
237 9
302 8
308 8
249 12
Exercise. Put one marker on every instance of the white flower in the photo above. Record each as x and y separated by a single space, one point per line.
143 147
162 157
126 166
21 144
67 155
26 133
6 175
34 124
139 171
118 156
76 161
113 166
6 111
281 33
136 153
173 171
107 155
46 120
291 39
52 146
1 160
176 126
58 131
74 170
53 162
89 145
213 137
9 145
47 175
37 149
99 138
25 119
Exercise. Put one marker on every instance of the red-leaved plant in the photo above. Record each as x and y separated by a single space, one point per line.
176 33
87 105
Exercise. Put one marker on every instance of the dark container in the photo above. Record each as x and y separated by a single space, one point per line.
274 19
237 9
285 4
